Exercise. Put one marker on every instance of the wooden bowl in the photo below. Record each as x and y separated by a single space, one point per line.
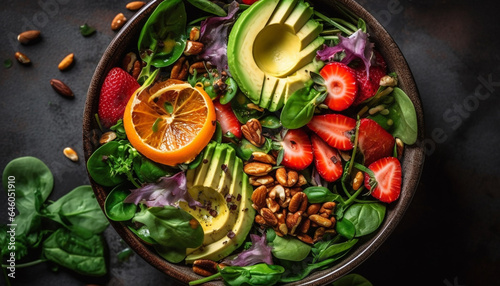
412 162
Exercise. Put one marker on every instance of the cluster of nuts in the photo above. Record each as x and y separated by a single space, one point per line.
279 198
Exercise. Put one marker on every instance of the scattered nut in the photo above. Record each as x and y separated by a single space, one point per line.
263 157
194 34
129 61
118 22
107 137
66 62
252 131
320 220
180 69
272 205
259 181
193 48
28 37
70 154
257 169
388 80
293 221
260 220
298 203
269 216
287 178
305 238
199 67
135 5
22 58
259 197
205 267
61 88
313 209
358 180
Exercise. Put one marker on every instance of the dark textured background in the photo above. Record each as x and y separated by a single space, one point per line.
450 234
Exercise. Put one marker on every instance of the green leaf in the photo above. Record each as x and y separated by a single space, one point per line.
86 30
79 211
299 108
334 250
169 227
208 6
84 255
114 206
406 127
258 274
290 248
345 228
270 121
241 109
318 194
366 218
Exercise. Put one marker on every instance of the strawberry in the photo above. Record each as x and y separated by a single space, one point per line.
116 90
387 176
297 150
340 81
249 2
334 129
227 120
373 141
368 85
326 159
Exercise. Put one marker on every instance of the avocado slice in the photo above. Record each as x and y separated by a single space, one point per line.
228 218
269 43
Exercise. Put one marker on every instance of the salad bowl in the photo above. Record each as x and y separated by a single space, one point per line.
411 164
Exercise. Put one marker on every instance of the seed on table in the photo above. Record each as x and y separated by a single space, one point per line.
70 154
66 62
22 58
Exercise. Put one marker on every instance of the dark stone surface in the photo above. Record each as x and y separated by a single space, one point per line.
450 235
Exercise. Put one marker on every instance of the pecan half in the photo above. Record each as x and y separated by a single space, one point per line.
193 48
269 216
257 169
262 180
252 131
321 221
287 178
259 197
298 203
264 158
293 221
205 267
180 69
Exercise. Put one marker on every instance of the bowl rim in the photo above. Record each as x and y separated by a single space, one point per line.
412 163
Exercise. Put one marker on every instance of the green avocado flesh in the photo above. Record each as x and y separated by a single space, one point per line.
220 184
271 50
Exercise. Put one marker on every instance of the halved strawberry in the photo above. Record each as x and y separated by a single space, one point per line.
334 129
116 90
326 159
340 82
373 141
387 176
297 150
368 84
379 60
227 120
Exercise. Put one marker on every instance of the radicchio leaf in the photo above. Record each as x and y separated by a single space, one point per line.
259 252
169 191
214 33
355 46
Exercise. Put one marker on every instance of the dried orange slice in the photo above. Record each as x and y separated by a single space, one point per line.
170 122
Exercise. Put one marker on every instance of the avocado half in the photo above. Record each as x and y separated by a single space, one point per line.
220 184
272 49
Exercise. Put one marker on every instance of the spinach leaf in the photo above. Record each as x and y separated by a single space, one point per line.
33 183
299 108
79 211
336 250
112 163
144 234
169 227
270 121
254 275
366 218
403 117
317 194
114 206
163 37
345 228
148 171
290 248
245 149
84 255
208 6
245 109
352 280
296 271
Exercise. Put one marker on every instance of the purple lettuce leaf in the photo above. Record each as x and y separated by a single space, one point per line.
168 191
355 46
214 33
259 252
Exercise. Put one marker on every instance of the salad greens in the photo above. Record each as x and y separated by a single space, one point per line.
145 195
67 231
